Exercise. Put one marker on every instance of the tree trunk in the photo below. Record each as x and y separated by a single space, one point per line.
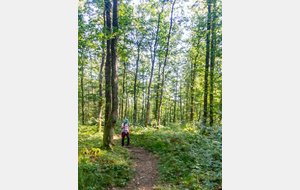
143 107
88 104
186 103
114 54
212 63
101 77
125 93
206 64
174 117
108 131
157 91
220 109
193 74
82 93
111 81
135 79
165 62
153 62
126 105
181 113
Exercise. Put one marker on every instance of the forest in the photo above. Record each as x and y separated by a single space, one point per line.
157 63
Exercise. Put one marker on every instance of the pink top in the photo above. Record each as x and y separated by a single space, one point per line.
126 127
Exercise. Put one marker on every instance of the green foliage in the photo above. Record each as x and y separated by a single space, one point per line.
190 156
98 168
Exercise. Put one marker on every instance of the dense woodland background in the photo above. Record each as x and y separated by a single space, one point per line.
192 70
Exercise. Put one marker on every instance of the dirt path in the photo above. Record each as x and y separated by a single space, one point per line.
146 168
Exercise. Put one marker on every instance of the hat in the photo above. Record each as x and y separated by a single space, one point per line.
126 120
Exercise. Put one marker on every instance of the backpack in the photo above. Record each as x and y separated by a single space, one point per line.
121 127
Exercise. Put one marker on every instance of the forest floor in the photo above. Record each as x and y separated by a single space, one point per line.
173 157
145 167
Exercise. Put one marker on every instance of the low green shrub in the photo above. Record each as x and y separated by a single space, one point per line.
190 156
98 168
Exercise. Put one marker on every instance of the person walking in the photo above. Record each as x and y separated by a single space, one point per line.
125 132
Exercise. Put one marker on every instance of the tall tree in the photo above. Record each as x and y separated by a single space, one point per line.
193 74
153 62
135 79
101 76
212 64
206 62
165 62
175 95
82 92
114 53
108 131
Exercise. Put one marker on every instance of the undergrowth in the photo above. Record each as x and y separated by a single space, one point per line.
97 168
190 156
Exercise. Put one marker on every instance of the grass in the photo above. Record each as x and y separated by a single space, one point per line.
190 157
98 168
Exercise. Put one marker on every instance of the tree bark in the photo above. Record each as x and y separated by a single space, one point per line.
212 64
82 93
206 63
165 62
193 73
111 81
114 54
101 77
126 98
108 131
124 91
181 113
153 62
157 91
88 103
135 79
187 103
174 117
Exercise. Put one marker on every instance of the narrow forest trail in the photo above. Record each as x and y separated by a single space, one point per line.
145 165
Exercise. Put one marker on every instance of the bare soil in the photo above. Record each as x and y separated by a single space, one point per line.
145 165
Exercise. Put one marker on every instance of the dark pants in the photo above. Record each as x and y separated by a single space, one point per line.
123 138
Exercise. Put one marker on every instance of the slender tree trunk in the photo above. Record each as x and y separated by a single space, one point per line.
199 117
165 62
174 117
135 79
192 92
126 105
88 105
101 77
95 105
108 131
220 109
170 111
143 107
181 113
186 103
153 62
82 93
193 72
88 108
212 63
126 95
206 64
175 100
114 54
157 91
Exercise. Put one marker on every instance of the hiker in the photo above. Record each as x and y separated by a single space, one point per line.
125 131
